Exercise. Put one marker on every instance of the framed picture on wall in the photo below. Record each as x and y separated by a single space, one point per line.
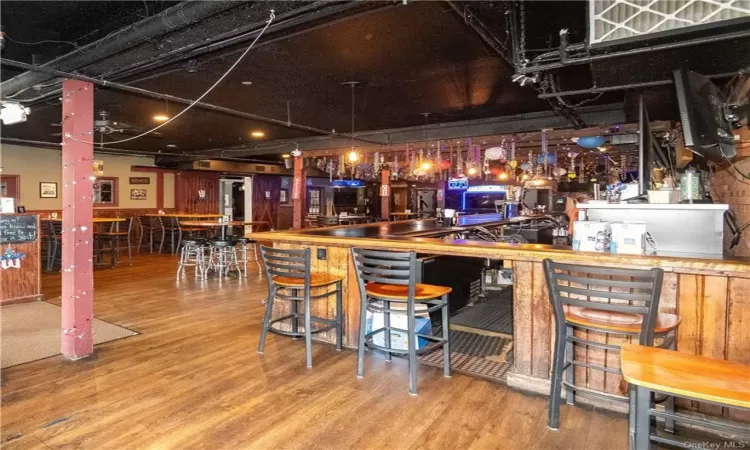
47 189
284 196
137 194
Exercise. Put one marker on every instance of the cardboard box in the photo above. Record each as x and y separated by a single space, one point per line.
590 236
628 238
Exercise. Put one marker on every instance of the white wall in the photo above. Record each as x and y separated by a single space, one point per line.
36 165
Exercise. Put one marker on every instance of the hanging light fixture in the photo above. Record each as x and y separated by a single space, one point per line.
353 156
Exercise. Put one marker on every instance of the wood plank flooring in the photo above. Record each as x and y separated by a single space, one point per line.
193 379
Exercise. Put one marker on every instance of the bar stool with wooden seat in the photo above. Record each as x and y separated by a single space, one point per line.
384 278
697 378
618 302
290 278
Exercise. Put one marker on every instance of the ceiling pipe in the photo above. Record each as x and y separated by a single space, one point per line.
179 16
184 101
296 18
533 68
623 87
482 31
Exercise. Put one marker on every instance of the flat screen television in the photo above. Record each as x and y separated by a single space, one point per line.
705 127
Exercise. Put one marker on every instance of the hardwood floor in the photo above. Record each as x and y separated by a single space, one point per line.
193 379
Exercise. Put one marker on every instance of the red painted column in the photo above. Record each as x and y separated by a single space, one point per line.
77 218
299 193
385 194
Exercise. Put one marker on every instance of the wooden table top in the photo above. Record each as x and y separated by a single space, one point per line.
208 223
688 375
96 219
405 214
187 215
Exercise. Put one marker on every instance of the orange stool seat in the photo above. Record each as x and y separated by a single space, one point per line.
618 322
316 280
401 292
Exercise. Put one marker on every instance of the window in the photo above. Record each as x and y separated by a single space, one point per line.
105 191
313 201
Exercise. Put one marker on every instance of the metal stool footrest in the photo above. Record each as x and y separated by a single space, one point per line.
595 393
437 343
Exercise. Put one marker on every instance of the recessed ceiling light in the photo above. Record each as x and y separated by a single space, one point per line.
285 156
257 134
161 118
171 146
247 83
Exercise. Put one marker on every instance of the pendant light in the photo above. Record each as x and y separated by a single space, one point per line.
352 157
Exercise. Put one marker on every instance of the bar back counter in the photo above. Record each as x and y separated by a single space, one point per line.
711 293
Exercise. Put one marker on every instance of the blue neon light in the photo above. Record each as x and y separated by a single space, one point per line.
455 184
347 183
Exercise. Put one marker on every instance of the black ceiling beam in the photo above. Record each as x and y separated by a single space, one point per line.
291 19
595 115
500 50
570 61
159 96
181 15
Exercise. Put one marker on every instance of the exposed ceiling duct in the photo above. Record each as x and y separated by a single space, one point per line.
176 17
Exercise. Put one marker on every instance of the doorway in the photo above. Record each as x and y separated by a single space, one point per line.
10 186
233 204
426 200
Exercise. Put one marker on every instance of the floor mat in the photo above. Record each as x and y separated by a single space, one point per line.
495 314
485 356
31 331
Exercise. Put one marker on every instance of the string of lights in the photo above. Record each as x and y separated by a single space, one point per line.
190 106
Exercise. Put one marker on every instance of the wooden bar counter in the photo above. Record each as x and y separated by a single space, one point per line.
711 294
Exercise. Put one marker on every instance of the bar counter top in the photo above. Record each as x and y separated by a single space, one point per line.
415 235
710 293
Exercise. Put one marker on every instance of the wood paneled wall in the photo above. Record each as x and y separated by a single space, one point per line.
266 210
187 185
715 313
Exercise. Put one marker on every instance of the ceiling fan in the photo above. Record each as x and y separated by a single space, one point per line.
104 126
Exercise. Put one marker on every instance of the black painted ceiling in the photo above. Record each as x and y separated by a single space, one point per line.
410 59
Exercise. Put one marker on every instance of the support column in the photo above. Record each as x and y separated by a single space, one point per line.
77 219
385 194
299 192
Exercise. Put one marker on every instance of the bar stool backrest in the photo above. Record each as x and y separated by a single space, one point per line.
605 289
156 223
286 263
55 227
374 266
171 223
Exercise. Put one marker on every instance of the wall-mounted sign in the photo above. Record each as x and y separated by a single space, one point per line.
455 184
440 195
17 229
385 190
487 188
138 194
98 168
140 180
297 189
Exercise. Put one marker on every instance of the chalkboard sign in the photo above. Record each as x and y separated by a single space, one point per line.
17 229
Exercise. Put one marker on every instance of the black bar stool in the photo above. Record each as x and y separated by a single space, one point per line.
290 278
222 257
390 277
632 312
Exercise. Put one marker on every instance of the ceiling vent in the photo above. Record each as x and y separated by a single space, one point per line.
618 21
